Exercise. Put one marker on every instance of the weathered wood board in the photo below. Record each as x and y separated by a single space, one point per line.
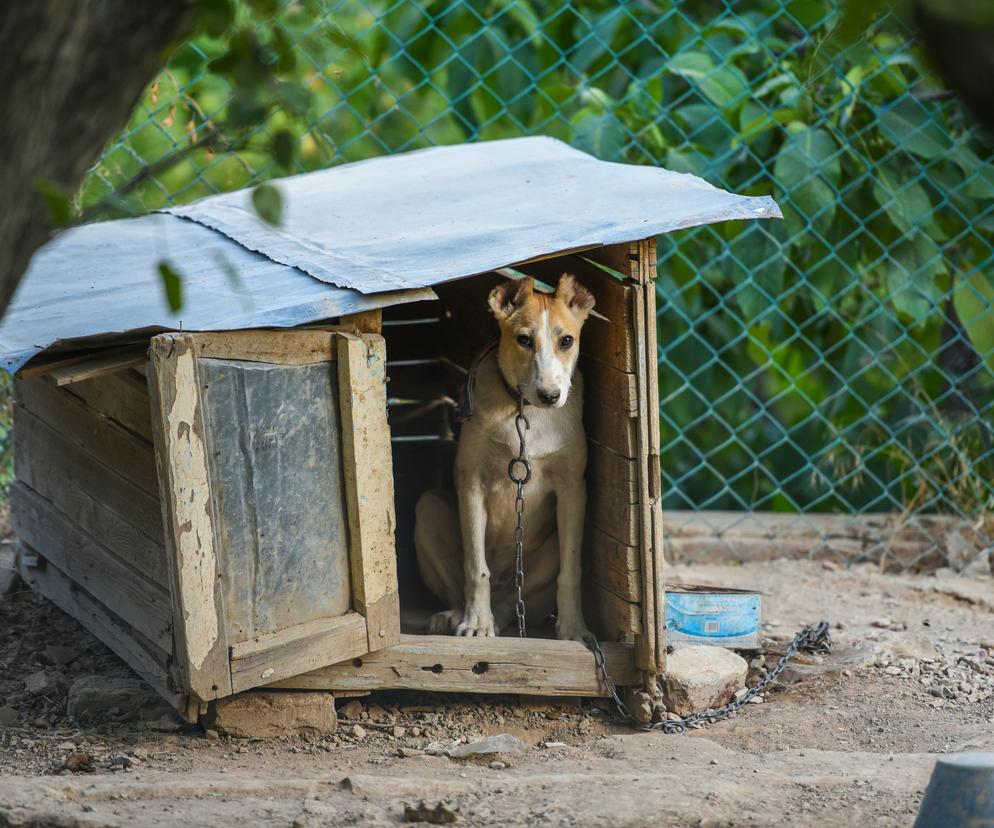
530 666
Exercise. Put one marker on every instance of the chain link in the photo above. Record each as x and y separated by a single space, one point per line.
813 637
519 480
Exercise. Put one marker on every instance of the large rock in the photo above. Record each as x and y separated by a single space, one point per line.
96 696
699 677
272 713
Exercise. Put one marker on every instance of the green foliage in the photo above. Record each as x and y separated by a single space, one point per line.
784 345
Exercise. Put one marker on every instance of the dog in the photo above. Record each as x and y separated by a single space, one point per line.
465 545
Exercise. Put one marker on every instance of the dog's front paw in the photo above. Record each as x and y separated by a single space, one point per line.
476 621
571 628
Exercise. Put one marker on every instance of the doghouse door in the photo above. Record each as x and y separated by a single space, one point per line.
277 491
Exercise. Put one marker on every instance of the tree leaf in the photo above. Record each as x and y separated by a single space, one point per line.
173 284
808 170
910 126
599 133
913 285
973 298
268 203
283 148
722 85
216 16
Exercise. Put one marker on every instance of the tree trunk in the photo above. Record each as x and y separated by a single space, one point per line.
70 75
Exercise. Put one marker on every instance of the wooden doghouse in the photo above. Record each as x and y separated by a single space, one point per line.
225 496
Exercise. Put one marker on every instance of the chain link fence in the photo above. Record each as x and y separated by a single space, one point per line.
826 380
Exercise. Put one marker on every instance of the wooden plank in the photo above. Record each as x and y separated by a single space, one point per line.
645 645
616 476
616 389
38 368
613 618
623 257
139 601
650 411
42 454
88 511
529 666
98 366
122 397
612 565
281 347
187 513
149 661
297 649
608 426
368 466
117 448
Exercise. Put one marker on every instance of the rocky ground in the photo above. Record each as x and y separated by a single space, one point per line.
850 737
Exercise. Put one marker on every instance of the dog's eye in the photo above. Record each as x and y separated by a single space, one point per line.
566 343
525 341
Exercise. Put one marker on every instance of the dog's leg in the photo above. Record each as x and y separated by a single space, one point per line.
439 551
477 619
571 503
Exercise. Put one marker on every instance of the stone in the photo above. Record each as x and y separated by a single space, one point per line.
352 709
377 713
10 582
100 695
698 678
41 683
358 731
399 732
59 655
8 716
267 714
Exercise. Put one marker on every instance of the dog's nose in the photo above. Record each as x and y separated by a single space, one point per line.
549 397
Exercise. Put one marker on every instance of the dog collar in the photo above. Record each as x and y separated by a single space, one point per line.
466 402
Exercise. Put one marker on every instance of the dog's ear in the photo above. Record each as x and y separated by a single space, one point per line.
575 296
509 296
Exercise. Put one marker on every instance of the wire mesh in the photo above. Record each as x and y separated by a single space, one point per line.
826 380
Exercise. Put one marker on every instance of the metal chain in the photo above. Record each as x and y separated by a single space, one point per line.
813 638
519 480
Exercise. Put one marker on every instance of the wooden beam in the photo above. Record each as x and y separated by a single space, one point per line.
187 513
368 466
278 347
117 448
98 366
650 411
50 473
149 661
65 364
645 649
529 666
41 452
296 650
122 397
139 601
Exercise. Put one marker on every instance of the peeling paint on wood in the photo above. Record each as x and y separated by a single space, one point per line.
195 535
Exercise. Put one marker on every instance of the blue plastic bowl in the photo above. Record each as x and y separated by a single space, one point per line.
960 793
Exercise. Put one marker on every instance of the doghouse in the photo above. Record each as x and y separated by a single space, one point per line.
224 495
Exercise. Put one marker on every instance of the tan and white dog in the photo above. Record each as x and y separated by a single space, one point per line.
466 550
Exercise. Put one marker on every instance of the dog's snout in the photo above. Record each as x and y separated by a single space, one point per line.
549 397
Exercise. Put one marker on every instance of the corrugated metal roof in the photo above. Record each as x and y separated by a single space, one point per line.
438 214
102 279
382 231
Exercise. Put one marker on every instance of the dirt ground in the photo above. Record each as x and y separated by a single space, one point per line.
848 741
